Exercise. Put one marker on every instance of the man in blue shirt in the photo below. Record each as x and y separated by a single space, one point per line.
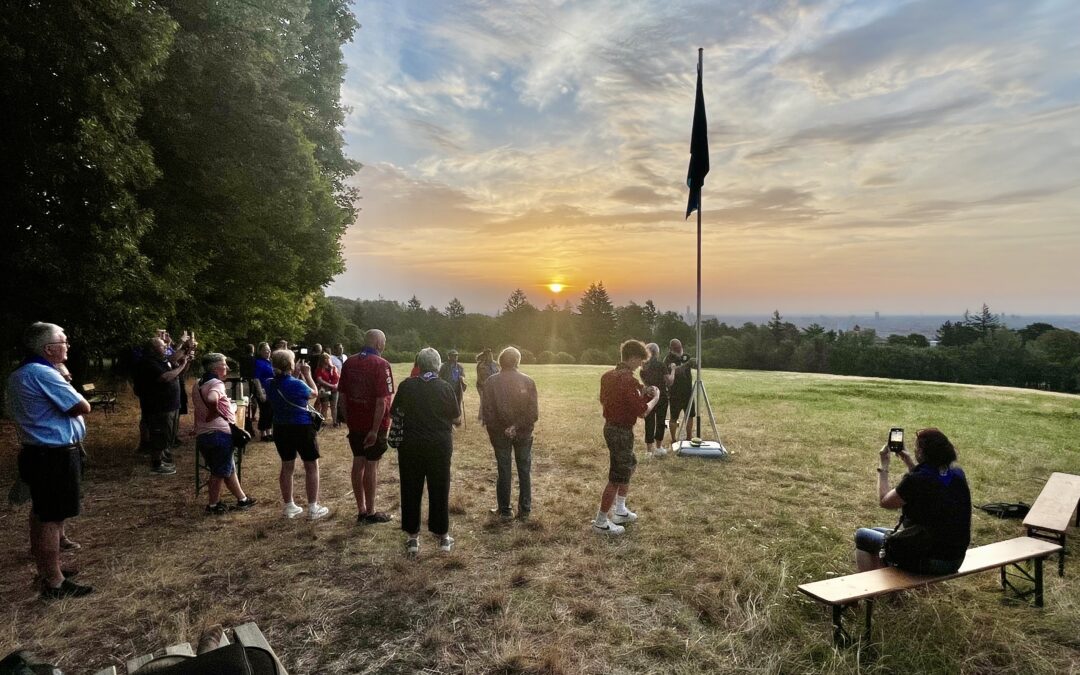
48 417
454 373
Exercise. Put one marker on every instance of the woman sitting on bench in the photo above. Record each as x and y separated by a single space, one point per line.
936 512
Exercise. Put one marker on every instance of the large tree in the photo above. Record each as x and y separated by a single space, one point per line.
73 164
597 317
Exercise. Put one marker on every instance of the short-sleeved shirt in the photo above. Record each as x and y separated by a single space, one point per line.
290 406
154 395
621 396
329 375
430 407
338 362
683 383
942 504
654 373
264 371
211 416
366 378
38 398
454 373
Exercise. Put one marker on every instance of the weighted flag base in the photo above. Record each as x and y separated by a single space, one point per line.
706 449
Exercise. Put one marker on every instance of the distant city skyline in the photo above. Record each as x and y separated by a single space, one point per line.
906 157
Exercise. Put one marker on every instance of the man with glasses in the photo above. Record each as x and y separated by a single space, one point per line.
48 417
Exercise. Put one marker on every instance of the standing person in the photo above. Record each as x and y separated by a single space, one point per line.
368 384
48 419
157 384
510 410
485 368
213 438
933 495
655 374
327 377
429 411
623 400
264 372
681 389
293 433
454 373
337 355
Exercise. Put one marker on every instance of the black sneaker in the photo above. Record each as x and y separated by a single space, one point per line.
217 509
378 517
67 589
163 469
245 503
167 458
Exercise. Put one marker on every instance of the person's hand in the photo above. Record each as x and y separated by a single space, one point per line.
511 431
885 456
906 457
370 439
305 368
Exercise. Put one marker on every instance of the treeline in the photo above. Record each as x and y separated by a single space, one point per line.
975 349
171 164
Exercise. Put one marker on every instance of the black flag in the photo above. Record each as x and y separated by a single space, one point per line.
699 149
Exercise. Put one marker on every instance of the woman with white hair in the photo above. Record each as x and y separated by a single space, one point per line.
429 410
293 433
214 412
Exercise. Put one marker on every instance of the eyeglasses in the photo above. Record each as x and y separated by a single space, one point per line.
65 342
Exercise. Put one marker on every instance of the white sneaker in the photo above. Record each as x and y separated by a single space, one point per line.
622 518
292 510
412 547
608 528
316 511
660 452
446 542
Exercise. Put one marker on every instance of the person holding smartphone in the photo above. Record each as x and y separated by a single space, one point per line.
935 504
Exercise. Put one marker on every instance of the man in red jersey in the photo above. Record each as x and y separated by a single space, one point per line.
624 401
367 385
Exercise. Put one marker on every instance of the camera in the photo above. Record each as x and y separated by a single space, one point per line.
896 439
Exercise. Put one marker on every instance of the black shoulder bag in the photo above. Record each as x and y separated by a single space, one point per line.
907 547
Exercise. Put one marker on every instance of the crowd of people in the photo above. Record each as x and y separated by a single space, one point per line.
292 396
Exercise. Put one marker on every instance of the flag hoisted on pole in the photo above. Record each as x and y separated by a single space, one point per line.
695 179
699 148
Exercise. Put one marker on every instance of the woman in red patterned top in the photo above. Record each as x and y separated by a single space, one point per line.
327 378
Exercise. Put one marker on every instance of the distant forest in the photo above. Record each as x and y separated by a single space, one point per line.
976 348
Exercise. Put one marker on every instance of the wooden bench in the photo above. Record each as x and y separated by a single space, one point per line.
247 634
106 400
1053 509
849 590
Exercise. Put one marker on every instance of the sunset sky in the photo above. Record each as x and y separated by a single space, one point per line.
904 157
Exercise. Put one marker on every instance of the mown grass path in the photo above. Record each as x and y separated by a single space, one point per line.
704 582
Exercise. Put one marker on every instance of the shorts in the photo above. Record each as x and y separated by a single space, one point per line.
293 439
54 477
620 443
872 539
372 454
679 405
216 449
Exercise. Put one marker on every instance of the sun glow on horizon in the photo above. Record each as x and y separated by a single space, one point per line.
556 288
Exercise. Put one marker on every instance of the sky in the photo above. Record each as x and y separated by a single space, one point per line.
901 157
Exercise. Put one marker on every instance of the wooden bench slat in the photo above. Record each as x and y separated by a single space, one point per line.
138 662
249 635
1055 505
111 670
853 587
183 648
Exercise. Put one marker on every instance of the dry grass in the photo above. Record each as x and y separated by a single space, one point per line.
705 582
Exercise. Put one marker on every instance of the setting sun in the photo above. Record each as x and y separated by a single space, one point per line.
555 288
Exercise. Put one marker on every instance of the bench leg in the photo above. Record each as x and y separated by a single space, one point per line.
1038 582
869 621
840 636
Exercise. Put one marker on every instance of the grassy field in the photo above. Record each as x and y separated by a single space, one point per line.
705 581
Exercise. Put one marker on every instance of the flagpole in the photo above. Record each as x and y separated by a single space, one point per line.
697 390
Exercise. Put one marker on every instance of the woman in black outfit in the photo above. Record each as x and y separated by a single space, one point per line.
429 411
934 496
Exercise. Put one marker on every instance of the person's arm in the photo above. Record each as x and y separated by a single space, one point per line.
533 410
80 408
170 375
652 402
669 376
305 377
888 499
376 422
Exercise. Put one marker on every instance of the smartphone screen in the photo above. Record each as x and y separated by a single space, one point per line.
896 436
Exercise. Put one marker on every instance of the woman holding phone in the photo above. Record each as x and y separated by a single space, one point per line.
935 502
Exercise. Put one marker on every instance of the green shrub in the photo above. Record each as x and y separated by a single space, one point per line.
563 357
546 357
599 357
